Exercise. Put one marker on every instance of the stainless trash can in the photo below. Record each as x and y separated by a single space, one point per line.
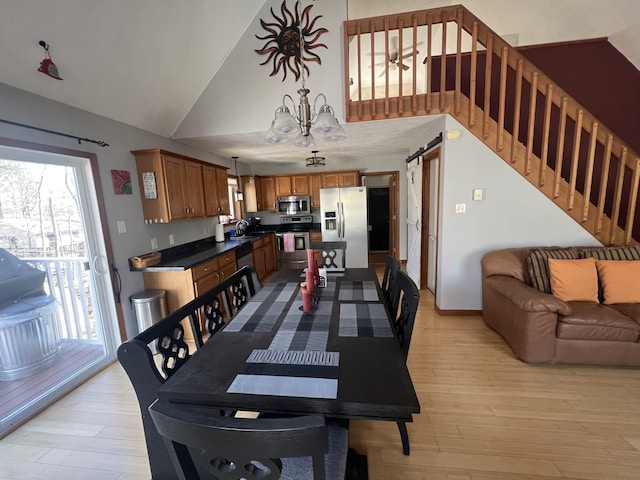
150 307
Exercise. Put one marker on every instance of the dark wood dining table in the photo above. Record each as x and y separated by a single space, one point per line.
341 359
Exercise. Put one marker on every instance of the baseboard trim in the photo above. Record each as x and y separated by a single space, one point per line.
469 313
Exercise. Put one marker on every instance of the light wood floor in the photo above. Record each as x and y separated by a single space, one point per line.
486 416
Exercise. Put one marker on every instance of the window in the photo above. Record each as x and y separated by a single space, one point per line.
235 208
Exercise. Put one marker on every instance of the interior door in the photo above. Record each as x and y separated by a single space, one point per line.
51 219
432 246
414 219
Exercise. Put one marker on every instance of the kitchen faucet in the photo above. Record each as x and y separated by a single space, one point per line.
241 227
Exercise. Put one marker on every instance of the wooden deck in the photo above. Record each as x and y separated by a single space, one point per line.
75 355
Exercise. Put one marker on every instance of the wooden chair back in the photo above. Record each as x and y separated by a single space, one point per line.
206 446
332 254
391 268
406 298
146 373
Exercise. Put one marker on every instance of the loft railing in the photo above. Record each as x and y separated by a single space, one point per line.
68 280
446 60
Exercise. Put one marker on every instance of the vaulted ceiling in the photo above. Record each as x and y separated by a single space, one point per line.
160 64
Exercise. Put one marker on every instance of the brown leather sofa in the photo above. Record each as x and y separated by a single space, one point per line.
541 328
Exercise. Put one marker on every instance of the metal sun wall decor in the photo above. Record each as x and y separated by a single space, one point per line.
291 40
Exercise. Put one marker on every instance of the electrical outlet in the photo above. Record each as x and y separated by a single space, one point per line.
154 243
206 230
122 227
171 239
461 207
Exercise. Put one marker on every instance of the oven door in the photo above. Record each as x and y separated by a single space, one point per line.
292 249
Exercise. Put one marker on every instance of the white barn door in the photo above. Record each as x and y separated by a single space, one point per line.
414 218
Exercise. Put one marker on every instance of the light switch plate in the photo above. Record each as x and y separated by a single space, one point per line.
122 227
478 194
154 243
171 239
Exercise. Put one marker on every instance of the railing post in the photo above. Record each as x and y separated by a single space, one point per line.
574 159
633 198
545 134
604 182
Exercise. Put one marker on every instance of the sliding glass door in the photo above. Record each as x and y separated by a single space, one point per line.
59 329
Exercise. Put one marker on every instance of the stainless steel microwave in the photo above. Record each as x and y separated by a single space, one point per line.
294 205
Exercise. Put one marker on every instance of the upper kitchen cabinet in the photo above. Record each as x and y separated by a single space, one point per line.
252 194
340 179
170 186
292 185
315 184
216 192
268 191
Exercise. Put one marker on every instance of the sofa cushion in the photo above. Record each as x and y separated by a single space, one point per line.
630 252
594 321
631 310
574 280
538 268
620 280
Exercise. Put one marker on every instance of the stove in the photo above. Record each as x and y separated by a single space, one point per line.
292 240
295 223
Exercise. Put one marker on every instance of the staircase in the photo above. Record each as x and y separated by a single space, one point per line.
445 60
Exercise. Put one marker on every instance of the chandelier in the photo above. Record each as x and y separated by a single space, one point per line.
287 126
314 160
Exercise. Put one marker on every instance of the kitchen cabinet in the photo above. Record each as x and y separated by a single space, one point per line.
340 179
172 186
251 189
264 256
268 191
292 185
315 184
185 285
216 192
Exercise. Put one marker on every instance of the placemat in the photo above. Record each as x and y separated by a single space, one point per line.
264 309
304 331
363 320
366 291
309 387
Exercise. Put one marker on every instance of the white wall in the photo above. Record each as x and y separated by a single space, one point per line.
23 107
513 213
246 105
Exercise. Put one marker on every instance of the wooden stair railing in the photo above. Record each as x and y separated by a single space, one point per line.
458 65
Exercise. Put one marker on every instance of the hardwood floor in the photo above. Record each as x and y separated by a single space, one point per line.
485 416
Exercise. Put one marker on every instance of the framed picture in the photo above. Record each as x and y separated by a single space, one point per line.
121 182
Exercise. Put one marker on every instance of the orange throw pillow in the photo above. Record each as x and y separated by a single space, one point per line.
620 280
574 280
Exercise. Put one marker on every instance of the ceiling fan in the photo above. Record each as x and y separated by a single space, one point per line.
393 59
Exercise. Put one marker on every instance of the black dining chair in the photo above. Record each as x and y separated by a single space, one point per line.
148 372
332 254
203 445
406 298
391 269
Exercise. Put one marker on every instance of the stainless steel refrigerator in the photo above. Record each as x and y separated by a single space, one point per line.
344 218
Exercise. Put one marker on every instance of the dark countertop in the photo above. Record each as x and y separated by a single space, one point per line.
184 257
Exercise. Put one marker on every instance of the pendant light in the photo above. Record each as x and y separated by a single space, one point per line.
239 194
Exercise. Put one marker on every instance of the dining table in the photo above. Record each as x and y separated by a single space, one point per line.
341 359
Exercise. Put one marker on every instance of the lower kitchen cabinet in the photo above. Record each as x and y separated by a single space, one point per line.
184 286
264 256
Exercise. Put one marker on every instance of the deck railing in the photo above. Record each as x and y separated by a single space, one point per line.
68 279
446 60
